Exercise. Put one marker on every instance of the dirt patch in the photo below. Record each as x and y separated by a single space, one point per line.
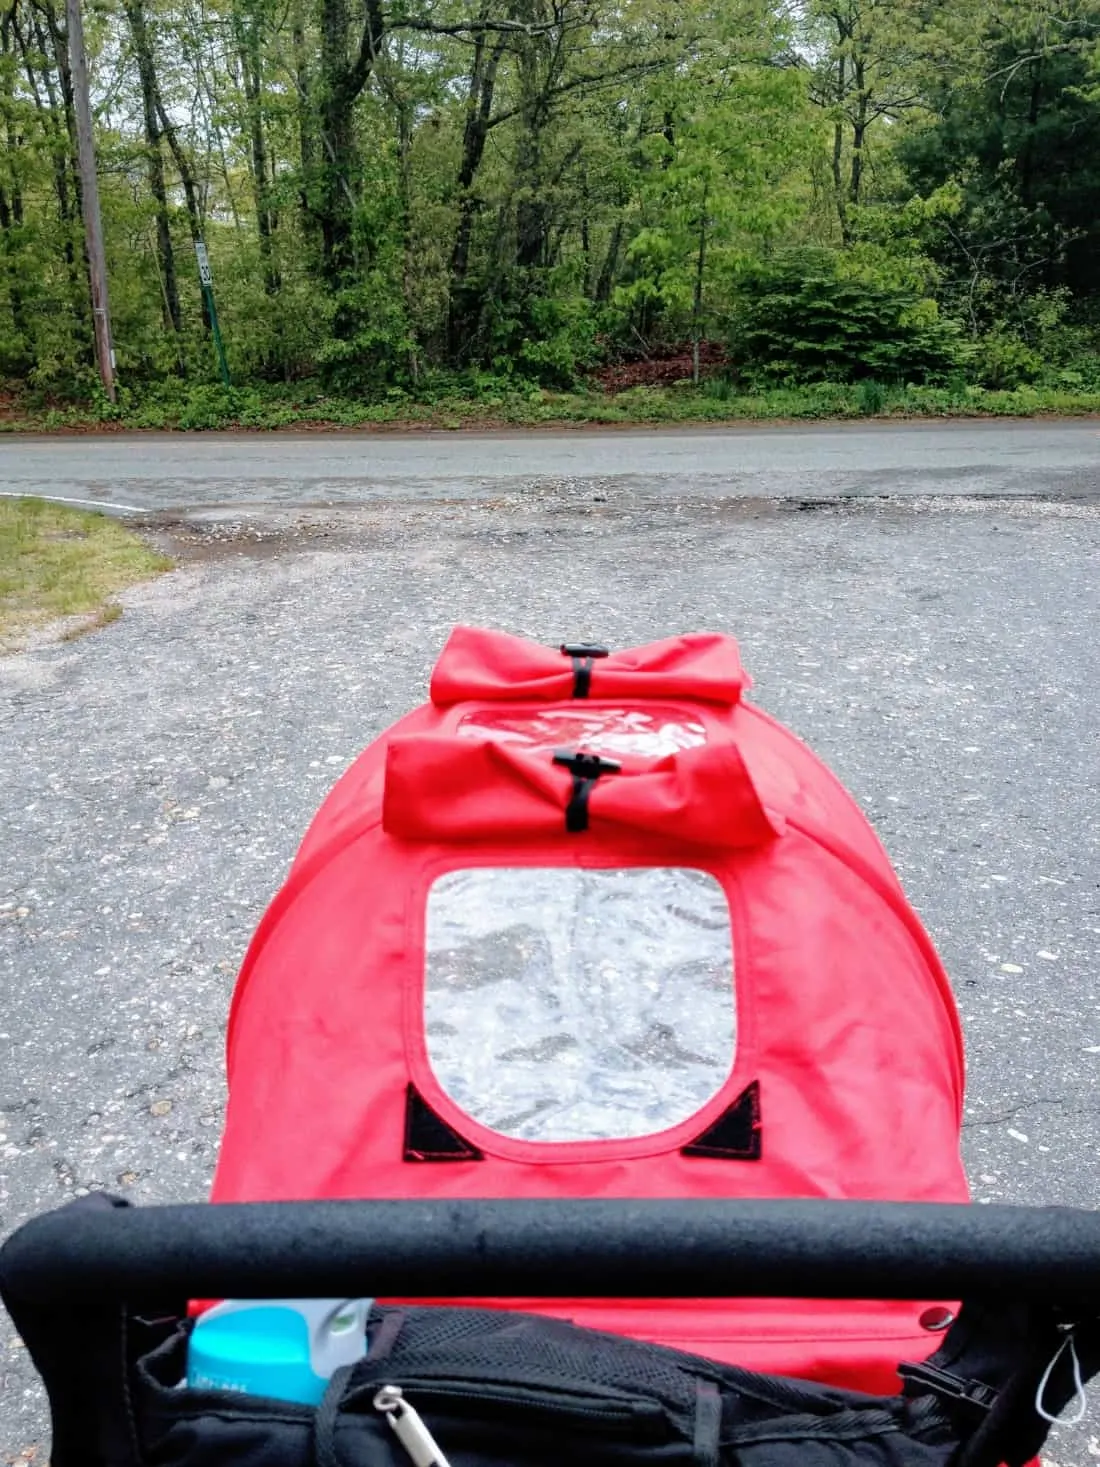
662 370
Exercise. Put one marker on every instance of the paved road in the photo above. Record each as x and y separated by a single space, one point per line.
166 471
940 652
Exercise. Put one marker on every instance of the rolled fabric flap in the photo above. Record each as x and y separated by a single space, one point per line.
495 666
445 789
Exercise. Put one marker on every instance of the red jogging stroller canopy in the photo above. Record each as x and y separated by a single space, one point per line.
593 925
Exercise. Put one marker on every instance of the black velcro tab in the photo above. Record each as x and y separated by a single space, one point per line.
736 1134
429 1138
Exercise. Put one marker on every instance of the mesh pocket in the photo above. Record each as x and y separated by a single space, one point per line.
505 1346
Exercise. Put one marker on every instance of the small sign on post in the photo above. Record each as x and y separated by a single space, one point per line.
206 280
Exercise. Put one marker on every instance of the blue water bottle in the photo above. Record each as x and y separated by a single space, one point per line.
287 1349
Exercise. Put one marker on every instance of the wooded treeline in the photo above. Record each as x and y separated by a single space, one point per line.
391 189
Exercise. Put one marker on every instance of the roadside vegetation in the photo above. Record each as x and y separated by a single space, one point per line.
544 210
58 563
489 404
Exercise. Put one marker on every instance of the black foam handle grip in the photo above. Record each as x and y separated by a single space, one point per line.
556 1249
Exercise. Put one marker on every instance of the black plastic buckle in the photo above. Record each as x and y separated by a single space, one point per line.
583 656
586 770
947 1386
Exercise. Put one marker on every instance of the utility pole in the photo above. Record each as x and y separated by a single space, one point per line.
93 224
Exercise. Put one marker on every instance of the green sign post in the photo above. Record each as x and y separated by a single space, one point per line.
206 280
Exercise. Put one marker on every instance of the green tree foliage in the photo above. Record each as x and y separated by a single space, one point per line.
1019 139
718 181
394 192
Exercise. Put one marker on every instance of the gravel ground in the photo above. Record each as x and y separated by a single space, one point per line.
942 655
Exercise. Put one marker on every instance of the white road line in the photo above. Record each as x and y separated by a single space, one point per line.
61 499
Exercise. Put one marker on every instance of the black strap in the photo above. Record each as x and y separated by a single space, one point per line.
707 1446
583 656
586 770
974 1394
327 1416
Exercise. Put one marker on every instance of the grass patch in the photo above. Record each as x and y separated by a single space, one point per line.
57 562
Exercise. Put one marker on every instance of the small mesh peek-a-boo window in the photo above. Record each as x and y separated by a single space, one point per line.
566 1004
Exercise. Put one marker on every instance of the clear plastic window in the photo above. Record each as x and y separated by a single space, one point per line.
565 1004
649 733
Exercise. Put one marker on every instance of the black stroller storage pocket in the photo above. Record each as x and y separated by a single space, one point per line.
501 1395
481 1388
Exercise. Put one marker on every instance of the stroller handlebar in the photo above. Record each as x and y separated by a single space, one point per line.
104 1255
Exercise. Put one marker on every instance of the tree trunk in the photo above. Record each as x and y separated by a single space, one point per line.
248 45
58 118
341 81
336 201
859 135
190 189
408 262
838 155
610 264
697 294
855 186
307 149
462 307
143 54
11 212
532 208
183 167
334 204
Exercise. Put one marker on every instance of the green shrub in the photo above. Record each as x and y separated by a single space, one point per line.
1003 362
368 344
562 342
871 397
808 316
209 407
